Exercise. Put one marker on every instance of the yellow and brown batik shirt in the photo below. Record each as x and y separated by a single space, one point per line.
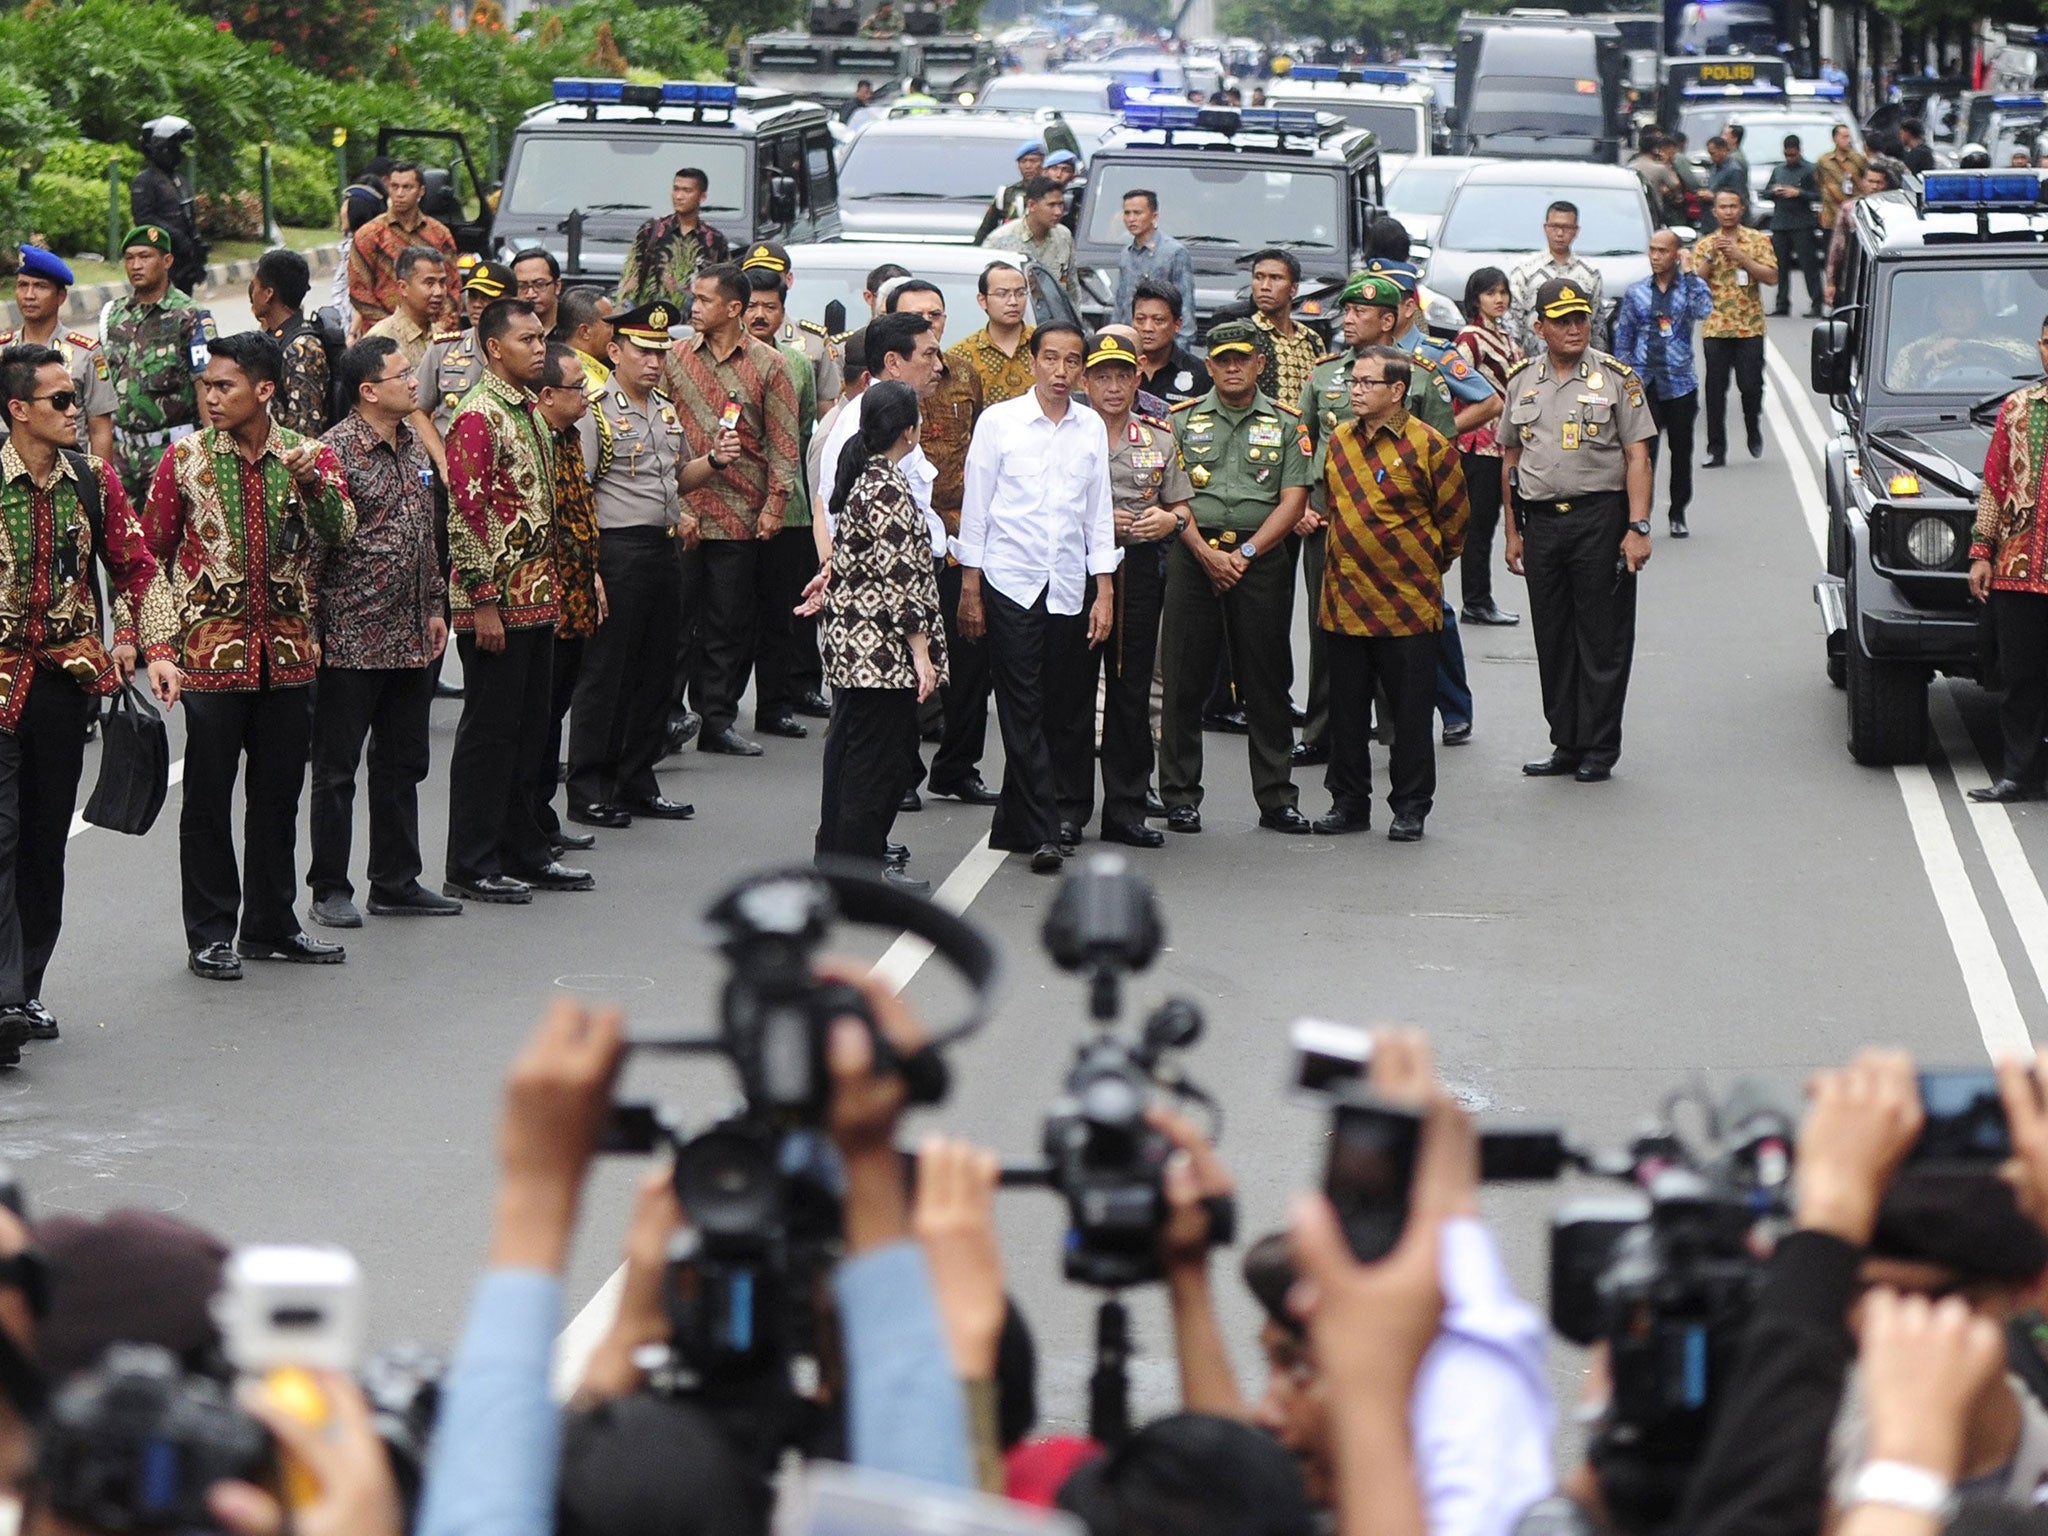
1738 306
1002 376
1397 510
2012 531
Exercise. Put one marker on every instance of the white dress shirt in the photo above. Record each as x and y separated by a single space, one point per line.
915 467
1034 512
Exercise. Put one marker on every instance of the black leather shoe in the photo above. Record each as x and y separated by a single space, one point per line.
904 881
215 962
1299 717
577 842
300 949
1070 838
661 808
968 791
1046 859
416 902
814 704
1306 754
783 725
1231 720
14 1033
1488 612
909 802
336 911
1338 822
613 816
730 743
1593 773
1780 314
680 730
2006 792
1184 818
559 877
1555 766
1284 818
1133 837
1457 735
1155 808
897 854
493 890
1714 461
42 1024
1406 829
1678 528
1756 441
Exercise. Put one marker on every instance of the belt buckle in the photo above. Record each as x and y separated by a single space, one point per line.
1564 506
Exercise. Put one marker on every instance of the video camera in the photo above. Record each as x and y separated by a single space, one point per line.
762 1185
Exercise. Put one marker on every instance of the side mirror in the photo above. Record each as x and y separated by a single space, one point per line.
782 199
1828 364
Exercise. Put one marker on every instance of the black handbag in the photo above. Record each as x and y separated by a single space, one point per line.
135 765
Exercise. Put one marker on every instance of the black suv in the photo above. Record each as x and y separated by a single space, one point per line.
1936 320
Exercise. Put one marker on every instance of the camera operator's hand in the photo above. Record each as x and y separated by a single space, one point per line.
358 1495
1861 1121
556 1104
1404 1073
955 1222
642 1319
2024 1088
866 1105
1195 1174
1924 1365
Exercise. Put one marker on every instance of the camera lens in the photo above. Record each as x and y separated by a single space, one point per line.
727 1180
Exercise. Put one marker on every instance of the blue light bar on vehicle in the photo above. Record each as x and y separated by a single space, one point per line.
1281 120
2024 100
1822 91
590 92
1979 191
1348 76
690 93
1761 90
1159 115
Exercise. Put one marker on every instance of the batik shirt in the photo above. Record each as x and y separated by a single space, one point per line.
1003 376
2012 532
301 400
501 494
373 263
235 540
756 486
1398 510
575 538
374 595
48 614
883 588
664 259
1289 360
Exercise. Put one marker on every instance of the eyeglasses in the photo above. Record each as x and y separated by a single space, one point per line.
396 378
541 285
1369 383
62 401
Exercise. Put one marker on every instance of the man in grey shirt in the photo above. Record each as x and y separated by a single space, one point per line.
1040 235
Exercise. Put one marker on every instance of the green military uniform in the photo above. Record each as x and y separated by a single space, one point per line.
153 354
1239 463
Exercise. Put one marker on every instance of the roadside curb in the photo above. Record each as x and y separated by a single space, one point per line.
85 303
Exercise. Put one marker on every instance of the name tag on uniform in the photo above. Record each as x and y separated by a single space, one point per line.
1571 434
1264 434
1664 325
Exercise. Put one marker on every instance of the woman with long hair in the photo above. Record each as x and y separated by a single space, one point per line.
1490 347
883 644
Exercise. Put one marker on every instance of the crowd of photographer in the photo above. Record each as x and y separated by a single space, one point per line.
1828 1327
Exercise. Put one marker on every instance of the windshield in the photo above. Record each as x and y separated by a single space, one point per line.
1767 141
1022 96
1423 188
1237 206
1534 104
557 173
949 167
1397 125
1963 330
1496 216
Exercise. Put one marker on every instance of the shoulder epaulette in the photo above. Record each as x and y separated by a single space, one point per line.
1525 362
1155 421
437 337
78 339
6 338
838 337
1328 357
1286 409
815 327
1622 368
1185 405
1428 364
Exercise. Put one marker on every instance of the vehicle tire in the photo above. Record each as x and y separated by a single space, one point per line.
1838 671
1887 704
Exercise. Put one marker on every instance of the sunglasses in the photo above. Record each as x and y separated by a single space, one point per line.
63 400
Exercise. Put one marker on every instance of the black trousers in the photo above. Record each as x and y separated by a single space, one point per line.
2022 620
1744 357
965 695
1674 418
563 672
737 593
500 743
389 706
683 690
1403 668
1801 248
1126 664
1250 623
40 763
621 703
1582 606
1475 565
273 728
866 770
791 558
1046 711
1313 548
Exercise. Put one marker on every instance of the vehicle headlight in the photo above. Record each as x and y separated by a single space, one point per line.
1931 541
1443 315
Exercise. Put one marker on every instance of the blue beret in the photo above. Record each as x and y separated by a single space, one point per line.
1028 147
1402 274
1061 157
37 262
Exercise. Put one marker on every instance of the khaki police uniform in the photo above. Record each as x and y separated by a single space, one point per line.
450 370
87 366
826 355
1565 444
1239 462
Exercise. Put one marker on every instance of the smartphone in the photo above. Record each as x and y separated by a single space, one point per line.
1328 1056
729 418
286 1306
1965 1120
1373 1148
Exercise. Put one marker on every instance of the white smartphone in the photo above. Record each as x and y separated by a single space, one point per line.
284 1305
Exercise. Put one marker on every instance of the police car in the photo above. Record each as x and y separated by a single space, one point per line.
1937 317
1232 181
1400 111
588 168
1756 95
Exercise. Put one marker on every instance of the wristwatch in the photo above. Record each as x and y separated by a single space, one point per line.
1901 1485
1642 528
1248 549
1180 522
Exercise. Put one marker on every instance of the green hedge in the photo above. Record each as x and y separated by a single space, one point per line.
301 183
69 213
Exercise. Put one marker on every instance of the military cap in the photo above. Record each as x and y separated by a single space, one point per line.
766 255
1559 298
37 262
1029 147
152 237
1402 274
1061 157
490 279
1108 347
1371 288
1233 336
648 326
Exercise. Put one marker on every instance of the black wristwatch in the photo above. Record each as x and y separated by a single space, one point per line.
1248 549
1643 528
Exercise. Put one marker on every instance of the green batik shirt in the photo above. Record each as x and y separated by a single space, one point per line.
663 259
797 514
153 352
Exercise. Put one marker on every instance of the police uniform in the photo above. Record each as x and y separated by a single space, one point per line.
1240 463
455 360
153 353
83 359
621 703
1565 444
826 358
1145 472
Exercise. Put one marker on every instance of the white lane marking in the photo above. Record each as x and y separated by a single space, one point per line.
2008 860
1985 977
899 963
80 824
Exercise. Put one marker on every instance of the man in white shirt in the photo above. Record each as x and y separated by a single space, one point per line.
1036 533
904 349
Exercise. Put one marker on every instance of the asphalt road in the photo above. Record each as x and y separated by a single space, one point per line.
1740 900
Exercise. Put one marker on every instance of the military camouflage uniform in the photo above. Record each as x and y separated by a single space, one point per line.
153 353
